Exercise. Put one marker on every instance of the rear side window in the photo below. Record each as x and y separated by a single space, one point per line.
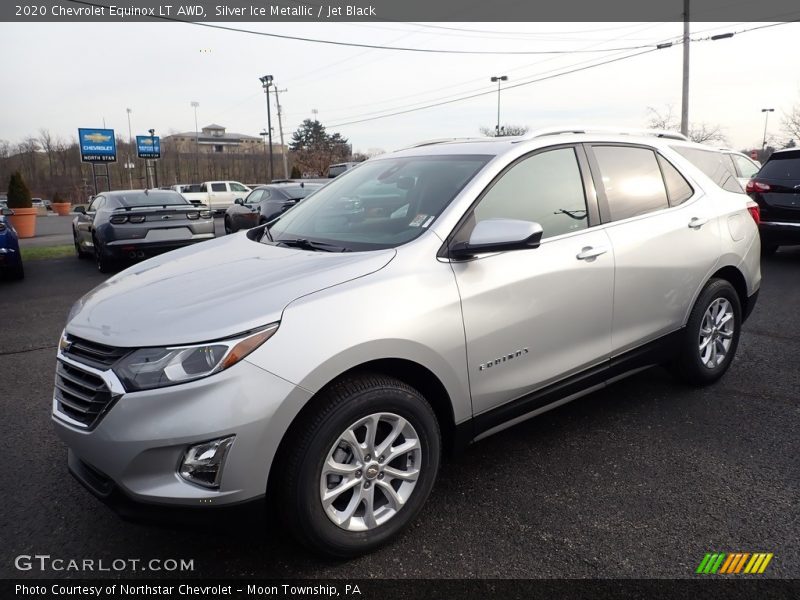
238 187
717 166
782 165
545 188
218 187
631 179
678 189
747 168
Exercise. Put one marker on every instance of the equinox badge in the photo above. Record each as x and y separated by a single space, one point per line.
502 359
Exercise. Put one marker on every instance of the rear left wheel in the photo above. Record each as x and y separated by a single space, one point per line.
104 263
361 465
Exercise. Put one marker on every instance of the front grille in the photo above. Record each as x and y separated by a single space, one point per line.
93 354
81 395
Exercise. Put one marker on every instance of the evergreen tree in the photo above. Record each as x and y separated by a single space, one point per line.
19 196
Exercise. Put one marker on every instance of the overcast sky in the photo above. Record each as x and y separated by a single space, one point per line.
64 76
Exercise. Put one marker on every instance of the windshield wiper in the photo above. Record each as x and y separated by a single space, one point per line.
309 245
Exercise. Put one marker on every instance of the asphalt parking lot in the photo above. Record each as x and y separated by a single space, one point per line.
639 480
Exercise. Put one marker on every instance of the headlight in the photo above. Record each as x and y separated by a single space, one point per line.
150 368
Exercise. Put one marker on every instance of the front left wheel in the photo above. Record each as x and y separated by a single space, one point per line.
359 467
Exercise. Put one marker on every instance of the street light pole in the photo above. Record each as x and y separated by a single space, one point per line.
129 164
685 86
264 134
196 144
266 82
498 79
766 112
280 130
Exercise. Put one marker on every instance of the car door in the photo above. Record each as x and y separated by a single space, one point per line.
85 222
534 316
665 238
248 216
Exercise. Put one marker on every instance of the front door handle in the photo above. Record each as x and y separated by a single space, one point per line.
591 252
697 222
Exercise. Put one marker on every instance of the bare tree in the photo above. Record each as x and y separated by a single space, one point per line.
698 132
48 145
791 123
505 130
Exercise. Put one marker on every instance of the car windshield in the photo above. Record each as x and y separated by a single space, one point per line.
381 204
151 198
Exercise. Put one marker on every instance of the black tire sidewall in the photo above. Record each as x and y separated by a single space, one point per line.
317 530
693 366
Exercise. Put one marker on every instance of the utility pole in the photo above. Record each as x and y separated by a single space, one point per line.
194 105
280 129
685 90
266 82
129 164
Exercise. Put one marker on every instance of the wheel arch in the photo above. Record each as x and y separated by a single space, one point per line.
736 278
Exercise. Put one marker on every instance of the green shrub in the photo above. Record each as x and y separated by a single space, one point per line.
19 196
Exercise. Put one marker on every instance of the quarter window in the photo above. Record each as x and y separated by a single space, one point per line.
545 188
631 179
717 166
747 168
678 189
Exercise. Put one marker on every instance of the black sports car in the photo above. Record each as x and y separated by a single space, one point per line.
265 203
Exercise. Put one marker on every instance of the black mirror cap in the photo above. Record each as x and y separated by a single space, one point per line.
80 210
238 201
464 250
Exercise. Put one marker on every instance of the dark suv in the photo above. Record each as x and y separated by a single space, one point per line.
776 189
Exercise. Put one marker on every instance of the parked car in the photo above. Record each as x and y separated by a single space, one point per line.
217 195
135 224
10 257
338 169
776 190
264 204
484 283
744 166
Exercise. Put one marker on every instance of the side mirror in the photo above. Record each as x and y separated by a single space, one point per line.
6 212
238 201
79 209
498 235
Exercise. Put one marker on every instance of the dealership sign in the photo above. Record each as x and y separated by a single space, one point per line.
148 146
97 145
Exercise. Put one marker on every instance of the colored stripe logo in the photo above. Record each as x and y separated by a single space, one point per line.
733 563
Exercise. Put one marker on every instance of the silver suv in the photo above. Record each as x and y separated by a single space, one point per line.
419 302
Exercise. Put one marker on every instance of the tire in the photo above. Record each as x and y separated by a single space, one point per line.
228 229
319 436
17 273
78 252
103 262
711 336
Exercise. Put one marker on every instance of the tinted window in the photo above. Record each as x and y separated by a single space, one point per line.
747 168
150 199
297 192
218 187
336 170
420 188
782 165
715 165
545 188
96 204
678 189
631 179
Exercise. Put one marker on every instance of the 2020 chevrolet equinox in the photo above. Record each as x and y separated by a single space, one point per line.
420 301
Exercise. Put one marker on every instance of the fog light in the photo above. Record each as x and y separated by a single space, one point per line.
202 464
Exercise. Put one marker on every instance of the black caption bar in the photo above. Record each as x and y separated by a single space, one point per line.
409 589
396 10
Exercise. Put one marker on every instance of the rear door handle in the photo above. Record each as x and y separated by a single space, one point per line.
697 223
590 252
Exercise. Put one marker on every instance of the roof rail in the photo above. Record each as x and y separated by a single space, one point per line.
444 141
662 133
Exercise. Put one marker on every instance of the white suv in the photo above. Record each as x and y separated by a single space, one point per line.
417 303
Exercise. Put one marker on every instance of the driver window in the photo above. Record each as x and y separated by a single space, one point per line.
254 197
545 188
96 204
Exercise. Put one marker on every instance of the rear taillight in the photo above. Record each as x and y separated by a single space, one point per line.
119 219
2 227
754 211
756 186
137 218
192 216
205 214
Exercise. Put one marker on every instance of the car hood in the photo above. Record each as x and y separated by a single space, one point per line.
210 291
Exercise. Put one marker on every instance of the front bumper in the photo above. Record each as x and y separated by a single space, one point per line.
136 448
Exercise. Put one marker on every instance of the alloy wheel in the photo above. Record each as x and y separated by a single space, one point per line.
716 333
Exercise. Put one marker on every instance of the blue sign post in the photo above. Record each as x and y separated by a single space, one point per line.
148 146
97 145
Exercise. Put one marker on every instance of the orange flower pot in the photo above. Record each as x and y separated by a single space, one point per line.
62 208
24 221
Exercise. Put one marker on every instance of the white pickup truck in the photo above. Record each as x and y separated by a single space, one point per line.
218 195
